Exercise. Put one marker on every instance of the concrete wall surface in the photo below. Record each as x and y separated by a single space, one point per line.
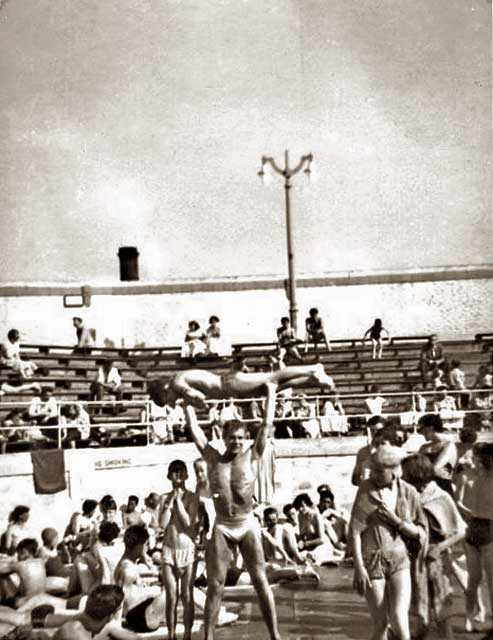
301 466
451 308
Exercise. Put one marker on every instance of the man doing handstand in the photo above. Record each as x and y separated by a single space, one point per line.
197 385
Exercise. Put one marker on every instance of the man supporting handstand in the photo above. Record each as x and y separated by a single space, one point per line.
196 385
232 477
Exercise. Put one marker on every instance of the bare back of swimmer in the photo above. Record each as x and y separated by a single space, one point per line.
197 385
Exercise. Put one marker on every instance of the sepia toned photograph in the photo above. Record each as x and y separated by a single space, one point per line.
246 320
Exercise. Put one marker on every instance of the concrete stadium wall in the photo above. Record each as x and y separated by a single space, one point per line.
452 308
301 466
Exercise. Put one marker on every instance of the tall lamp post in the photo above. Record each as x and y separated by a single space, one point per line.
287 173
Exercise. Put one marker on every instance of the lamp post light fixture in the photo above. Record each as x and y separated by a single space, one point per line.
266 163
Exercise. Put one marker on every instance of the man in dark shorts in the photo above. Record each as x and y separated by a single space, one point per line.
143 609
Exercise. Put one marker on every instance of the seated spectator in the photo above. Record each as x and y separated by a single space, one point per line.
195 341
437 377
216 343
291 515
54 554
415 409
97 565
131 513
375 403
374 333
82 525
109 510
287 341
275 540
157 418
443 401
431 357
150 515
99 617
333 418
444 404
457 381
315 331
176 420
17 383
230 411
109 381
50 539
15 428
17 529
439 448
85 336
43 411
284 425
336 520
482 404
313 540
10 355
75 423
275 360
484 378
33 584
305 413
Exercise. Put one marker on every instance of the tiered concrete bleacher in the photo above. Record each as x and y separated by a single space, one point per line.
350 364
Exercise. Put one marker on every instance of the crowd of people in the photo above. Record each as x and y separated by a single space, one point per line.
413 519
296 416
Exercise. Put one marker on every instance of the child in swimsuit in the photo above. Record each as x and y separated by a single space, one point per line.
178 515
374 333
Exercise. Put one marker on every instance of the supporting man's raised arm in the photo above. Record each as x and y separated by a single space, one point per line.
198 435
266 426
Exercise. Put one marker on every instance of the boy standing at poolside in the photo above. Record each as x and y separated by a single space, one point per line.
178 515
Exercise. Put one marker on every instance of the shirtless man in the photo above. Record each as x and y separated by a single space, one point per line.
30 573
232 477
97 620
195 385
143 608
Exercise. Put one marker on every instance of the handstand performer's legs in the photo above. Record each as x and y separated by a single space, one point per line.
301 376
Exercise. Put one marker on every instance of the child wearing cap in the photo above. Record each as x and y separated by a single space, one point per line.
385 520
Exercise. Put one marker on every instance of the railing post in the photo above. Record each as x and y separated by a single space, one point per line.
59 425
147 413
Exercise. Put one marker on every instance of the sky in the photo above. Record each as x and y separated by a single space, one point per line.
142 123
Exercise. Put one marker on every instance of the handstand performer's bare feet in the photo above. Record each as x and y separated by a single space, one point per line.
321 377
